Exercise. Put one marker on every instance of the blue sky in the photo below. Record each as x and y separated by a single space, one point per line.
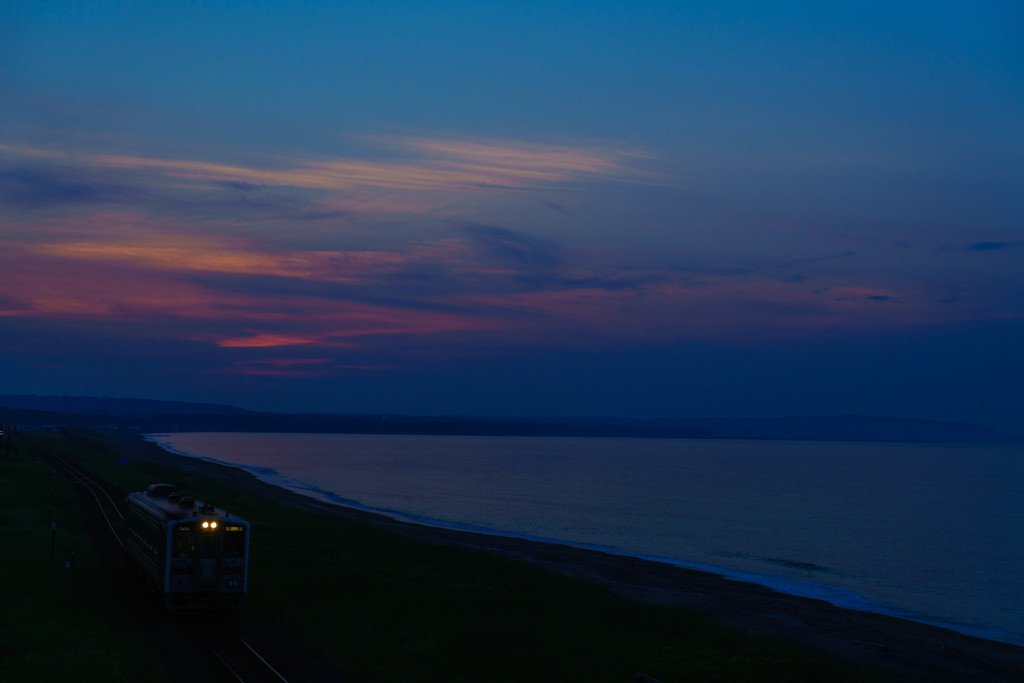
548 209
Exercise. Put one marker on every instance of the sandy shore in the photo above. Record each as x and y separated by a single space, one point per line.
916 651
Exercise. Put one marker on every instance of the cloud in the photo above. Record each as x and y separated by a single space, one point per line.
817 259
519 249
491 279
283 367
992 246
529 160
212 285
405 178
438 165
123 239
241 290
68 187
263 340
29 189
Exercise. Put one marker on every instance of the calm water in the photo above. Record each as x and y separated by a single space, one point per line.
934 532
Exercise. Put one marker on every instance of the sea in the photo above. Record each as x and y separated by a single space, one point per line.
928 532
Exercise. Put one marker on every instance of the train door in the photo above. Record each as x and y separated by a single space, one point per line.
208 555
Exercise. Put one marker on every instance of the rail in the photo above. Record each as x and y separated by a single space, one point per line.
240 659
75 473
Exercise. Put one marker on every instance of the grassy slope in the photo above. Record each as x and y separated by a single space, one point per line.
385 608
47 631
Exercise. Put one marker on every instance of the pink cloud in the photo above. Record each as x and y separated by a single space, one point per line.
264 340
126 267
122 267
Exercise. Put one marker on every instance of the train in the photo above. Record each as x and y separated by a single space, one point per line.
195 554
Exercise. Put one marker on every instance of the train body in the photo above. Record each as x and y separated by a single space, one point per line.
196 555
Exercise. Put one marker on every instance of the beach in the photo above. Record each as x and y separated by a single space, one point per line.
914 650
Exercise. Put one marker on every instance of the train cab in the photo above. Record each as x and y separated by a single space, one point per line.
195 553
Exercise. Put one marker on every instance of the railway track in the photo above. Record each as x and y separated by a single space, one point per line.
104 494
238 659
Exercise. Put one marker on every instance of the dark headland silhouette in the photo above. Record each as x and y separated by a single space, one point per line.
149 416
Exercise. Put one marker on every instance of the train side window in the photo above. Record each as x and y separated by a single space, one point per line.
184 541
234 541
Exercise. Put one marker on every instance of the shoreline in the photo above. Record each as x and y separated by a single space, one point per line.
840 596
811 590
909 648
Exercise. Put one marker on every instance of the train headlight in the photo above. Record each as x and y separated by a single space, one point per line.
206 525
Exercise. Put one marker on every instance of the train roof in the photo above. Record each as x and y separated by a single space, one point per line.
167 502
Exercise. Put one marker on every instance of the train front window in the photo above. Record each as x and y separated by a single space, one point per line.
234 541
183 541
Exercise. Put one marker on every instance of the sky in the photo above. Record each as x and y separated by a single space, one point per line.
643 209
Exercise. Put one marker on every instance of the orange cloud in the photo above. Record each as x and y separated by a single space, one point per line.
555 161
444 165
131 241
21 150
216 256
345 174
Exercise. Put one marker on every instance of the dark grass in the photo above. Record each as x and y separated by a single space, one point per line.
381 607
56 622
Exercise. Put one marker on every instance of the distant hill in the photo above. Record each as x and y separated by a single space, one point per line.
809 428
841 428
147 416
118 407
